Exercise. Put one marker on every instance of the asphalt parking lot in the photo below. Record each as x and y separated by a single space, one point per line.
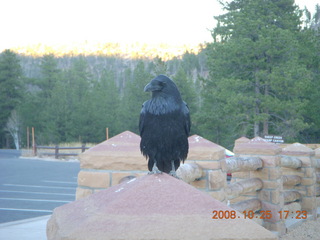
31 187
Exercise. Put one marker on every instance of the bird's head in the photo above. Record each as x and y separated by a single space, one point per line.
162 86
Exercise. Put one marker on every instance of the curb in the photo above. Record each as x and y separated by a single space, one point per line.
24 221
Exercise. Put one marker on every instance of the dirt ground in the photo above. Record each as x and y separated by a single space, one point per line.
309 230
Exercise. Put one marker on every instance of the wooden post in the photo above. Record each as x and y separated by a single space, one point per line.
28 139
34 147
107 133
56 152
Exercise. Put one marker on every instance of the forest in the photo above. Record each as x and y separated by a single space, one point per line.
259 76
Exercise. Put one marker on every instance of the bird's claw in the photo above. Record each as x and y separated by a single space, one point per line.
173 174
155 170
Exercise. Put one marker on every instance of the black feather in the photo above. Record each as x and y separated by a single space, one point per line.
164 125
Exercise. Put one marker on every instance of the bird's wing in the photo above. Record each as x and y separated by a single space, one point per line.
142 115
186 113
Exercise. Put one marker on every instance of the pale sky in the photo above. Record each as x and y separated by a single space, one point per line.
25 22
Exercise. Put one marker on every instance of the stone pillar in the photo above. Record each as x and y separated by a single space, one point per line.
110 162
317 170
270 194
307 188
211 157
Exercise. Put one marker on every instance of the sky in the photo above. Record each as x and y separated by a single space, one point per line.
24 22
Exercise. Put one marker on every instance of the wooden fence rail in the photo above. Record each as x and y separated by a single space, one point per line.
57 150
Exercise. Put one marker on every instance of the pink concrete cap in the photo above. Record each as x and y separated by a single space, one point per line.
150 207
298 149
242 140
121 152
257 145
203 149
124 141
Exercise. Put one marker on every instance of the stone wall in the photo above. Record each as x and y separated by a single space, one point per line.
119 159
289 177
211 157
270 194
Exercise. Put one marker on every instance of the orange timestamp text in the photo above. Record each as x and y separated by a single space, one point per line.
232 214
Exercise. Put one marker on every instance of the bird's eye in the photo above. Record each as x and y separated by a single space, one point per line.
162 83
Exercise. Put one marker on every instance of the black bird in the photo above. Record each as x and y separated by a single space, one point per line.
164 126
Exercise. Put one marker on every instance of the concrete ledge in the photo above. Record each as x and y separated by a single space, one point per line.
150 207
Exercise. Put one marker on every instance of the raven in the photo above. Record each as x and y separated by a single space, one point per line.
164 127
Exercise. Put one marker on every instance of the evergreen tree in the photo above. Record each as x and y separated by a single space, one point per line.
256 77
10 86
188 93
105 99
310 56
79 87
133 99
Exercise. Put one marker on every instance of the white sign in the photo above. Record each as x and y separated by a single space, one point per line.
274 139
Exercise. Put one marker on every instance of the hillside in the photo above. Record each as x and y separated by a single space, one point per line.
123 50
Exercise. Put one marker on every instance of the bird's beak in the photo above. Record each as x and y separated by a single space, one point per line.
151 87
147 88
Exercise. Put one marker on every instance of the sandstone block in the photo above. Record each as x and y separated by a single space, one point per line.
274 209
297 149
311 191
83 192
207 164
94 179
241 175
277 197
265 195
201 183
275 173
202 149
121 152
308 181
257 146
271 184
262 174
270 161
218 195
217 179
118 176
279 227
242 140
317 153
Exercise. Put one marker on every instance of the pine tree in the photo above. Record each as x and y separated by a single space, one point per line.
133 99
256 77
10 86
105 99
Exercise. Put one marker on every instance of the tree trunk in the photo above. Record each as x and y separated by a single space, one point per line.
257 109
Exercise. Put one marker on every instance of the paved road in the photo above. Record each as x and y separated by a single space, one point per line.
31 188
